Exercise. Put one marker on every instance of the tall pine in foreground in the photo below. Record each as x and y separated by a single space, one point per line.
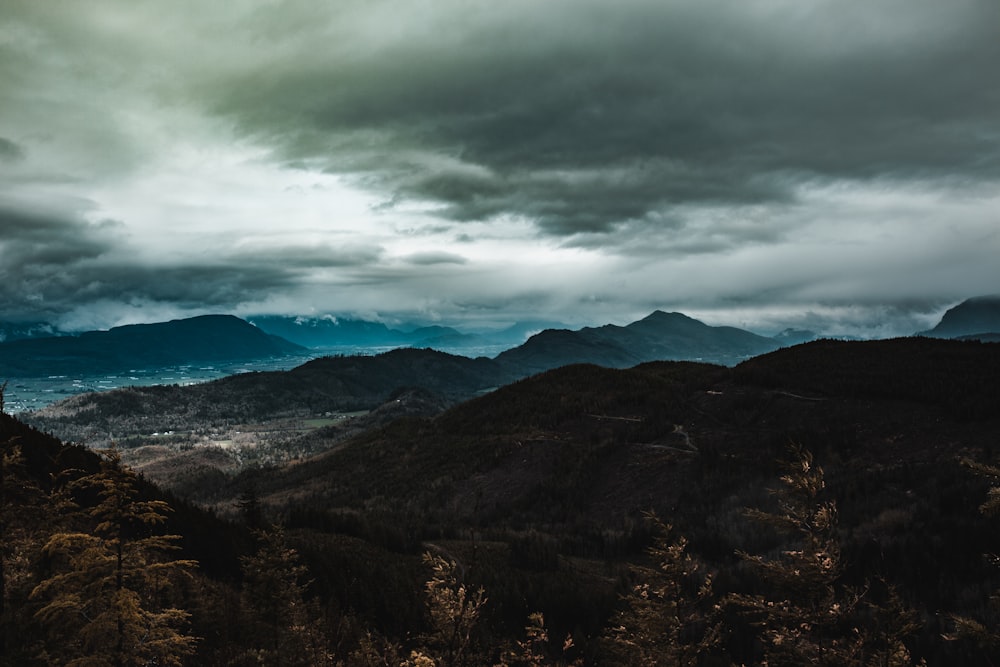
287 627
670 617
803 616
108 599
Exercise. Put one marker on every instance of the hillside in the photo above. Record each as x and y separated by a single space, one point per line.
318 387
196 340
539 488
561 466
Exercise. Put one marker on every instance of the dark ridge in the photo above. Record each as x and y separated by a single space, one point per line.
963 376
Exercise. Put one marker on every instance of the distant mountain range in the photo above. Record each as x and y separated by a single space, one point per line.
520 350
196 340
333 332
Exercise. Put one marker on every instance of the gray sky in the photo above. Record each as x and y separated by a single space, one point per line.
760 163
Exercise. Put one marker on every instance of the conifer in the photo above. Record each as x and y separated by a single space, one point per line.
804 617
275 591
107 599
454 609
669 619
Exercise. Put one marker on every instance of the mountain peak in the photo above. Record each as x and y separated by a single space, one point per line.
657 315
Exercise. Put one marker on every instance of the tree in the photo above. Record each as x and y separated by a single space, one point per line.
22 507
533 650
804 617
274 588
454 610
669 615
108 598
250 508
966 627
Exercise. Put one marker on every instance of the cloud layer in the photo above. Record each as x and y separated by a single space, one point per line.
779 162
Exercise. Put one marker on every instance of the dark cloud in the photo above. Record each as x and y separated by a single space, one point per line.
53 264
310 257
34 242
10 151
583 116
434 257
580 157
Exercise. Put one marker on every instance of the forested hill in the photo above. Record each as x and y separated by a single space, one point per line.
196 340
327 384
538 491
552 473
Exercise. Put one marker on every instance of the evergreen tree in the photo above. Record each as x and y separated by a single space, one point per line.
890 622
533 650
454 610
21 510
250 508
274 590
804 617
669 618
107 601
967 627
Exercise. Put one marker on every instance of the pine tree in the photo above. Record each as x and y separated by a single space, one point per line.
533 650
891 621
804 617
669 618
107 601
22 508
966 627
274 590
454 610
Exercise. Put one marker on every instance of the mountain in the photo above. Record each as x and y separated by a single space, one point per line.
979 315
659 336
333 332
789 337
204 339
10 331
328 331
360 382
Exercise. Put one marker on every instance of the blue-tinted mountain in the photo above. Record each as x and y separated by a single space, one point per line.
969 319
660 336
791 336
332 332
204 339
327 331
10 331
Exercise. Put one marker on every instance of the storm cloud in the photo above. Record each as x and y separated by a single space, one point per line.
763 163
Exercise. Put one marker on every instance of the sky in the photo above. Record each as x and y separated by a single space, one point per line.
817 164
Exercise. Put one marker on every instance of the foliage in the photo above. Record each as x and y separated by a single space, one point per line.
966 627
107 599
287 626
454 609
671 613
